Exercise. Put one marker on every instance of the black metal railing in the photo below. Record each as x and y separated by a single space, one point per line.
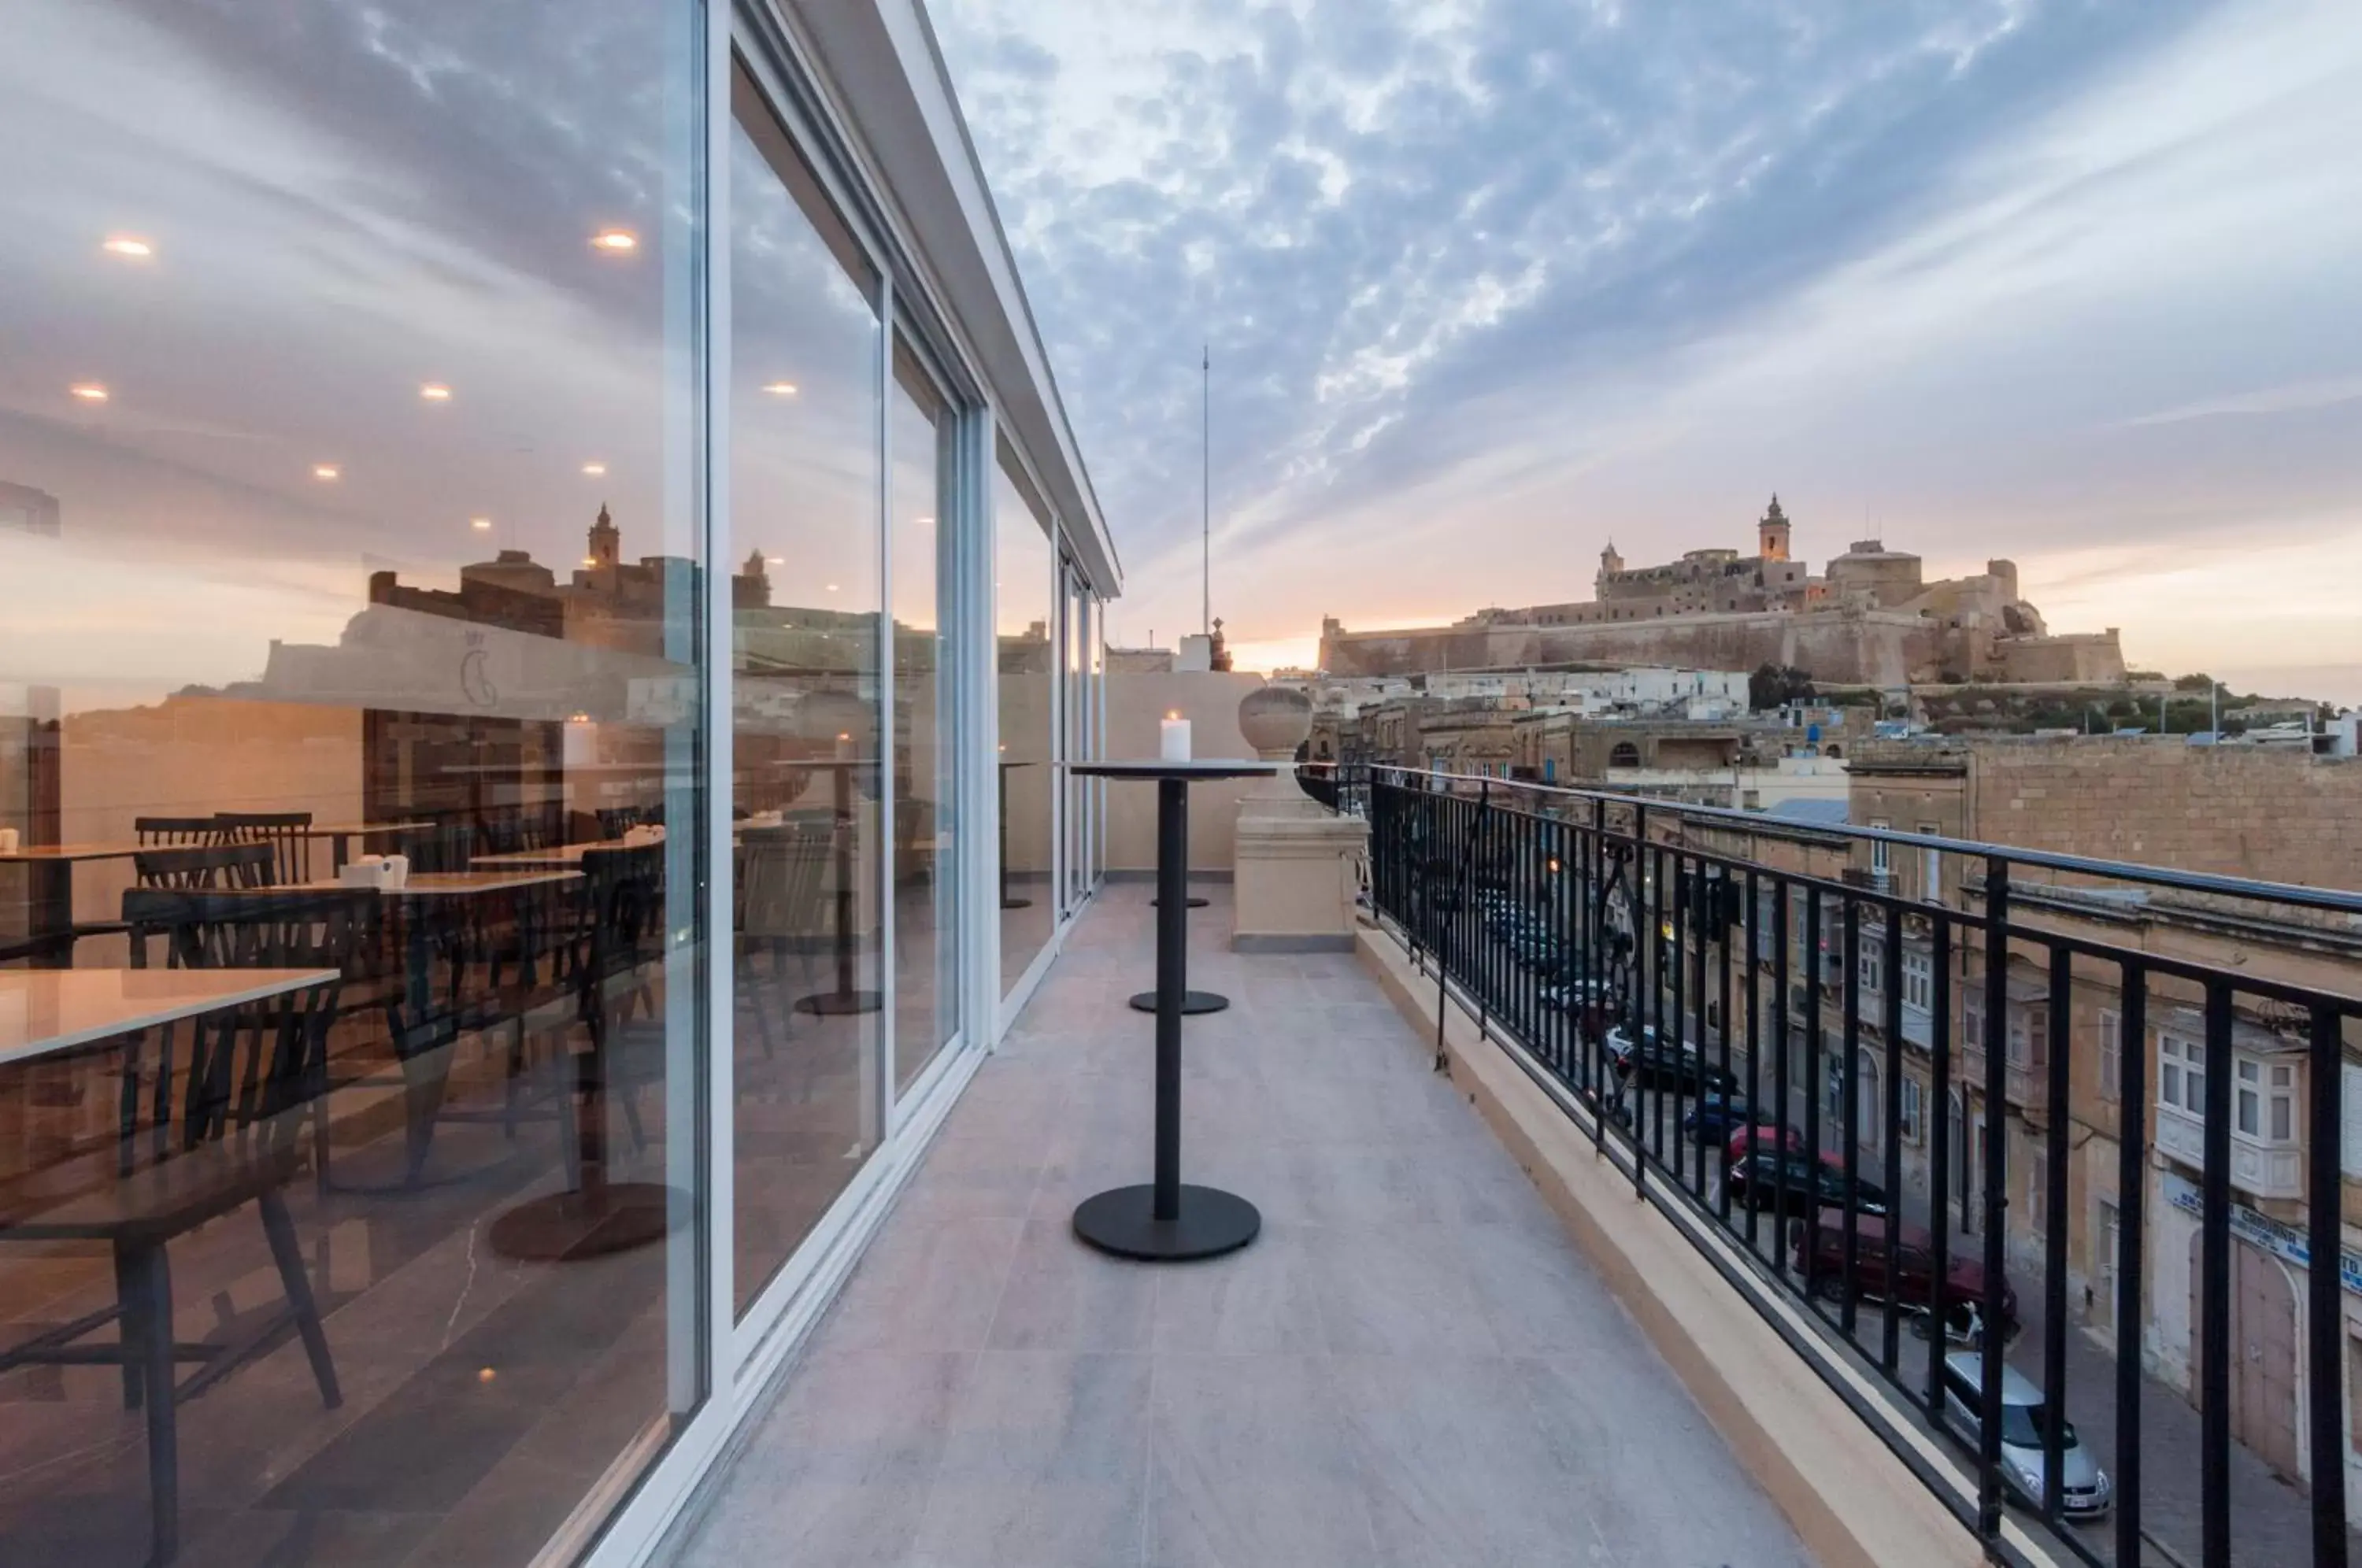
1896 1093
1342 786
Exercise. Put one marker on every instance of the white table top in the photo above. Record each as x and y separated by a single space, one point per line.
45 1010
450 884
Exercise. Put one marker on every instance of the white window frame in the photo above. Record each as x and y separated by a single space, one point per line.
1919 979
2181 1074
1880 860
2112 1054
1913 1125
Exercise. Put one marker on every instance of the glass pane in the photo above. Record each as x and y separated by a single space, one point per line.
809 1037
1023 615
351 365
926 913
1076 711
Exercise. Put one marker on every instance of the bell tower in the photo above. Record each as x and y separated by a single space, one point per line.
1610 563
1771 532
606 542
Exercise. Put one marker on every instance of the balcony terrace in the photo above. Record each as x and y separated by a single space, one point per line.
1412 1365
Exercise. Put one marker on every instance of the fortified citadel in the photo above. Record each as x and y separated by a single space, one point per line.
1870 620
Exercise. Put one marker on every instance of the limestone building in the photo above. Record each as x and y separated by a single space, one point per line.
1870 618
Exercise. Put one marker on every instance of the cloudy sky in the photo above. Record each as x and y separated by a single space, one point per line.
1488 282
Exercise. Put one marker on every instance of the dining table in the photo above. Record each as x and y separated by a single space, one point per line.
46 1012
49 924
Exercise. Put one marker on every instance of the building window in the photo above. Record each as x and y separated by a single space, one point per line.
1973 1019
1879 863
2038 1187
1870 967
2181 1074
1918 981
2111 1060
2264 1100
1913 1132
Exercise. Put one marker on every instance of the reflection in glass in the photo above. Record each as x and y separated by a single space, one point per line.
809 1036
926 914
1027 673
295 294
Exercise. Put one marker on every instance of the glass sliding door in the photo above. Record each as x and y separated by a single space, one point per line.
356 629
1076 719
923 574
1024 578
806 483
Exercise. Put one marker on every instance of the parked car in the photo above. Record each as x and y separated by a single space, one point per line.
1809 1185
1905 1270
1743 1141
2084 1490
1664 1065
1716 1116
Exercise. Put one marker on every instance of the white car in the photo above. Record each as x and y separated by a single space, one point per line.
2025 1416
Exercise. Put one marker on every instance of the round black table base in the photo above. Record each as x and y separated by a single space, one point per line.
1121 1220
836 1004
1192 1002
1193 902
567 1227
1017 903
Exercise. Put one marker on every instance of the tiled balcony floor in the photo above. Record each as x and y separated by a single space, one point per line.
1412 1366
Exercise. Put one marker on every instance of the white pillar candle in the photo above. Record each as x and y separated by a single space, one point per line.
1173 739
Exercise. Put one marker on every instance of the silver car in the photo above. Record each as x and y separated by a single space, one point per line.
2025 1416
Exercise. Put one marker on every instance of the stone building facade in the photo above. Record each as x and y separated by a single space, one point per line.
1870 618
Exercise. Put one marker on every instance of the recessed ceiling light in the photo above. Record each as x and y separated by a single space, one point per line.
481 525
590 560
594 470
90 392
125 245
326 472
780 388
831 588
924 522
616 241
435 392
775 561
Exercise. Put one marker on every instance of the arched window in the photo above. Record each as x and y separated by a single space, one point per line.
1833 749
1867 1101
1625 754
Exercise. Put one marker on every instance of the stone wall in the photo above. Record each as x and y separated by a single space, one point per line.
2279 816
1839 649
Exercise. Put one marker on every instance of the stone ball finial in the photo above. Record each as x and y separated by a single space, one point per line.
1274 719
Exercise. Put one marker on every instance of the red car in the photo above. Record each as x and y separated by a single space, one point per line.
1742 1140
1907 1271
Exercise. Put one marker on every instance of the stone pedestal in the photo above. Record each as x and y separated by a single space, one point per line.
1296 867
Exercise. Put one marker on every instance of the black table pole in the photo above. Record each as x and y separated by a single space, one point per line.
1172 977
1165 1221
847 998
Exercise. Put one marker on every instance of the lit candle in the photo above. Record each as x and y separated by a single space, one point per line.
1173 738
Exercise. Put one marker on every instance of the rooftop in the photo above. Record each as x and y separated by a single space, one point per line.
1412 1365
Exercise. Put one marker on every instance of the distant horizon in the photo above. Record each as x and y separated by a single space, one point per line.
1485 287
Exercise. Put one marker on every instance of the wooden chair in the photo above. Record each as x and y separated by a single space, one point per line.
620 937
224 1129
170 832
781 878
288 833
201 867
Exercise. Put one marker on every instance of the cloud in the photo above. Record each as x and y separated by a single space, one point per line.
1485 281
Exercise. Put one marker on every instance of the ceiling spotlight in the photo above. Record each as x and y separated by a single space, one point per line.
831 588
594 470
780 388
326 472
90 392
435 392
125 245
590 560
775 561
616 241
481 525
